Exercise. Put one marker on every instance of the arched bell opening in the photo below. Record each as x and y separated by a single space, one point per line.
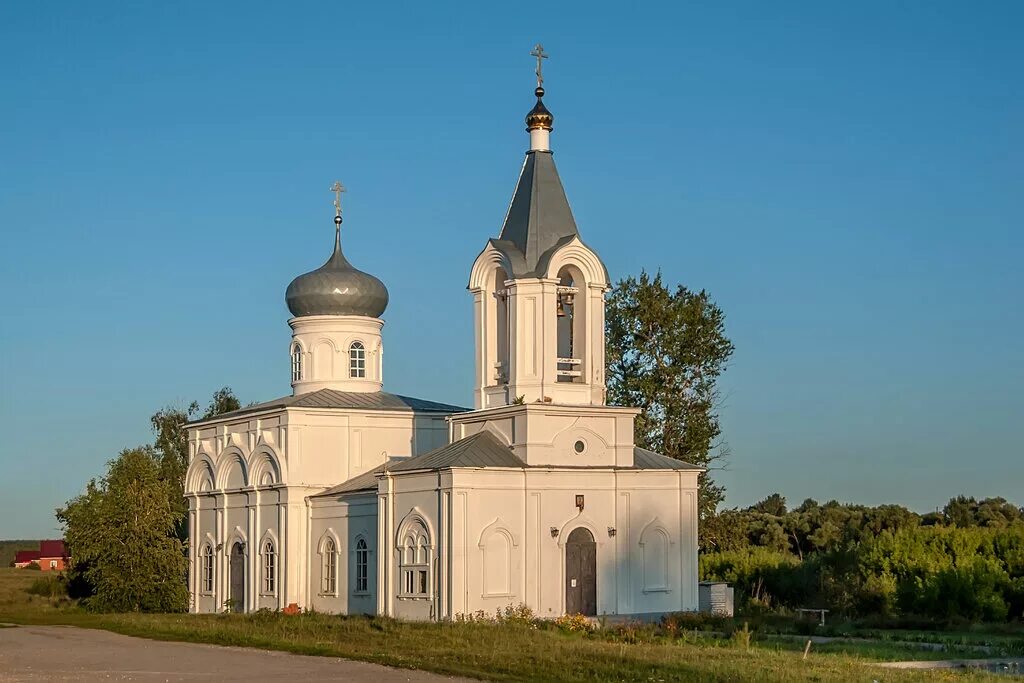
499 302
570 317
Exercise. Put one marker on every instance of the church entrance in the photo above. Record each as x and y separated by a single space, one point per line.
237 574
581 573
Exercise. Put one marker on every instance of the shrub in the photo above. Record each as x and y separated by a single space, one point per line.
48 586
575 623
34 566
742 637
519 615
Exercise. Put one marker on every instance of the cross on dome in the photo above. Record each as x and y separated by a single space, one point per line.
337 188
538 52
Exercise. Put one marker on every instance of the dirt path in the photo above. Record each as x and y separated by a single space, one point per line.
65 653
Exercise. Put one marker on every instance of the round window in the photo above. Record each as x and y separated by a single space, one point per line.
580 446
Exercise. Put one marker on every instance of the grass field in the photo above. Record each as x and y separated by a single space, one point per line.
482 650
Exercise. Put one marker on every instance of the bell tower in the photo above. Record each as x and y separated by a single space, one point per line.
538 291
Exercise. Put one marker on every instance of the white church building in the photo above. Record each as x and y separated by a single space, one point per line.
343 498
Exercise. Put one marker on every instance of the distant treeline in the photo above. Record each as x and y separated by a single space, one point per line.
965 562
9 548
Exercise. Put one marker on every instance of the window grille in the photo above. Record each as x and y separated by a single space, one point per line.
269 569
357 360
362 566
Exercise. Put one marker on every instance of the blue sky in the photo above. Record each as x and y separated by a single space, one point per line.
846 179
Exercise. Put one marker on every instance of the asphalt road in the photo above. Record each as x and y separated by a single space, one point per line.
64 653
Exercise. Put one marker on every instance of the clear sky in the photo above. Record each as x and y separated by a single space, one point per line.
846 179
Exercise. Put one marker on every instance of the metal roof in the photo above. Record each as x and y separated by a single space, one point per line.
337 288
644 459
353 400
367 481
539 219
482 449
539 215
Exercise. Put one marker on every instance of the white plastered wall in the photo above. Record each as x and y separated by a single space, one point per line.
249 477
345 519
325 342
513 513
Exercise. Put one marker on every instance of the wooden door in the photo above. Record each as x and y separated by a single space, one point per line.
581 573
237 573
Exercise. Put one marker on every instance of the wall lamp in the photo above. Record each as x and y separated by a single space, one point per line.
611 531
554 532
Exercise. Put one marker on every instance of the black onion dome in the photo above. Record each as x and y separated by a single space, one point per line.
337 288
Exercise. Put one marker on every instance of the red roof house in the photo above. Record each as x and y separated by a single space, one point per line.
51 556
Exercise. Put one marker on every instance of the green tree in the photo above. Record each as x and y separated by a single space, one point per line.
121 535
774 504
171 427
666 350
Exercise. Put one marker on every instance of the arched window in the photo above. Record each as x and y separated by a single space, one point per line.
269 568
416 562
296 363
357 360
329 568
206 568
362 567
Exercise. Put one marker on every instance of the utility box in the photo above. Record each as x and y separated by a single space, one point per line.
715 597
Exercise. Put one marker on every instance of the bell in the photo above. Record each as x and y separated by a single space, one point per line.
560 311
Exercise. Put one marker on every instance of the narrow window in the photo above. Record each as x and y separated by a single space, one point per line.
362 562
329 568
296 363
357 360
415 560
269 568
207 568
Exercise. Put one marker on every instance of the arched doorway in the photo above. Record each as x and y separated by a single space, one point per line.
237 574
581 573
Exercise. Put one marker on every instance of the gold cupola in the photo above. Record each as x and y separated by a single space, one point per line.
539 117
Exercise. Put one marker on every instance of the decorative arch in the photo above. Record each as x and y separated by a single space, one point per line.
328 535
268 535
656 553
412 517
237 535
497 548
499 526
264 463
489 260
575 428
200 476
575 253
228 477
580 519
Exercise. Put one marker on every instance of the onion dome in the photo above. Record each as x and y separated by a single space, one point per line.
337 288
539 116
